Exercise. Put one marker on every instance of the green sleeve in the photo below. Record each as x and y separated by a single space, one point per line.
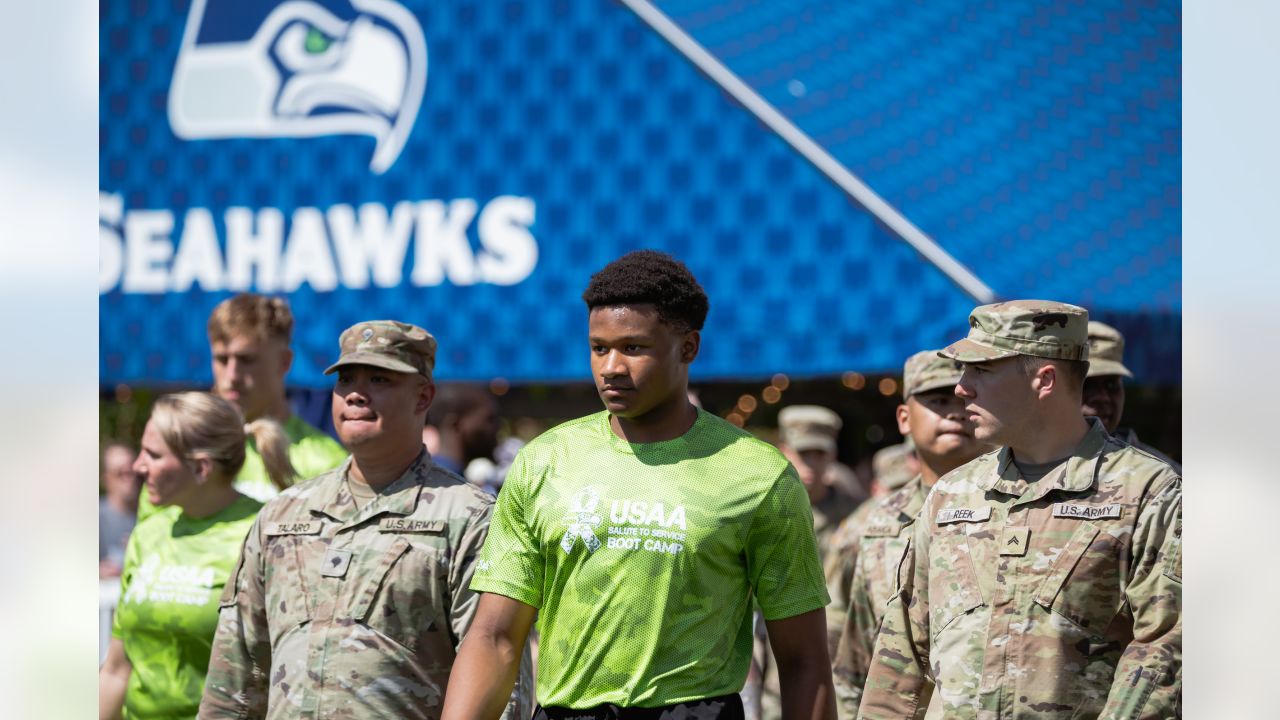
782 552
1147 682
236 686
511 562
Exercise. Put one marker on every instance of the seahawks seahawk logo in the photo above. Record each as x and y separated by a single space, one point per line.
582 521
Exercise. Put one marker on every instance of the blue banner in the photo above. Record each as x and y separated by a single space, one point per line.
466 166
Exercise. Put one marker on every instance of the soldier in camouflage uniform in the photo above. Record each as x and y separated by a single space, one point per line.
809 442
1045 579
1104 388
934 420
351 594
809 435
892 467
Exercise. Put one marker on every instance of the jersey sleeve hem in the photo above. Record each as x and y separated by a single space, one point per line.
518 593
796 607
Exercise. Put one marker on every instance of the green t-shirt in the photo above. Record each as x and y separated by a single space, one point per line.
310 450
643 558
174 570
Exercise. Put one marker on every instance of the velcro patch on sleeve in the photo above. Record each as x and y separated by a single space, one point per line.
311 527
411 525
950 515
1087 512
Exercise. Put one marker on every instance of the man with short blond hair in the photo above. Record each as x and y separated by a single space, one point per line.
249 337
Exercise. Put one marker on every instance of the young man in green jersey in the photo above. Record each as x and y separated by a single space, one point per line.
638 536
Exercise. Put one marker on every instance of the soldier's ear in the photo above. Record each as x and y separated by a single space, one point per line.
426 394
1045 380
904 420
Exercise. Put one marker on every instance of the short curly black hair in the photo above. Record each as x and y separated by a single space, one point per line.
649 277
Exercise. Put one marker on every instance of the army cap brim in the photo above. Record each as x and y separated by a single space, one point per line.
968 351
1103 368
935 385
377 360
813 441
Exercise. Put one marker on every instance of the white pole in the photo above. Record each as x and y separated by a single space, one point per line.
814 153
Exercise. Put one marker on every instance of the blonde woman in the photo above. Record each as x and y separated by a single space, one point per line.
179 558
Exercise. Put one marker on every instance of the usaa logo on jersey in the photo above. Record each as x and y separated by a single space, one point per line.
300 68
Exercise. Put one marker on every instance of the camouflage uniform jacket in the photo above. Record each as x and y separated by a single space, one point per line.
1128 435
885 533
837 567
1060 598
339 612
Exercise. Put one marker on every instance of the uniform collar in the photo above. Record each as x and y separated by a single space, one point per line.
903 498
398 498
1078 473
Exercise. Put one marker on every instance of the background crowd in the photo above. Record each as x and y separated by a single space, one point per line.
188 486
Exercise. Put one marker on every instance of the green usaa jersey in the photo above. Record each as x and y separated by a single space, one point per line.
643 559
310 450
174 570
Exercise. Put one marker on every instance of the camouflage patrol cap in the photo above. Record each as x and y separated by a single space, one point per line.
926 370
1040 328
809 427
1106 351
387 344
889 465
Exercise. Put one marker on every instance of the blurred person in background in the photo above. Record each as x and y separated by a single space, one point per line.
466 417
1043 580
638 537
942 439
809 441
177 562
249 338
351 594
1104 387
117 508
892 467
431 438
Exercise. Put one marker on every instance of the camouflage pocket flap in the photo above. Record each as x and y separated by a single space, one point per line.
1066 562
374 577
953 583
